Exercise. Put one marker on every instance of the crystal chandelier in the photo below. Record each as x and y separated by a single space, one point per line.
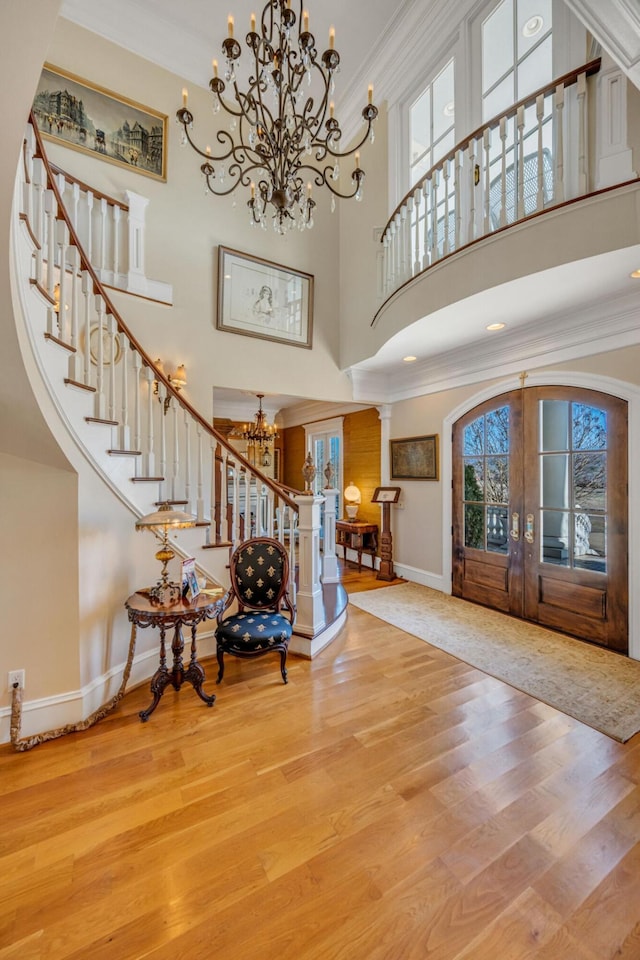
260 435
283 136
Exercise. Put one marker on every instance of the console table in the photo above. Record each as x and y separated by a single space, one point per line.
143 613
361 537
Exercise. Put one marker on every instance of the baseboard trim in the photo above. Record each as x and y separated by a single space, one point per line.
423 577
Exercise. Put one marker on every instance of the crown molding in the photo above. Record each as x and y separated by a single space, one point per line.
564 336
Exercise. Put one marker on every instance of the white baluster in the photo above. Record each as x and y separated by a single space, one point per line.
471 224
50 208
425 224
446 169
39 180
99 342
582 135
75 199
486 143
110 359
416 253
225 529
62 238
503 172
187 459
540 118
457 193
520 125
558 148
75 360
124 438
162 465
435 177
235 512
149 453
89 204
200 480
116 243
103 237
136 363
87 290
175 471
407 211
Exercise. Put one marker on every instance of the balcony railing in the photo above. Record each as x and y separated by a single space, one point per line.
526 160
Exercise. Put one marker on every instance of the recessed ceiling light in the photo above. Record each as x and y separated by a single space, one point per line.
635 275
533 26
409 359
496 326
449 109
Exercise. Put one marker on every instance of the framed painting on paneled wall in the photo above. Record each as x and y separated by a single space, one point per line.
414 458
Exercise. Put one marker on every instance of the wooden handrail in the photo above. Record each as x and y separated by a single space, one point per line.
98 288
87 189
566 80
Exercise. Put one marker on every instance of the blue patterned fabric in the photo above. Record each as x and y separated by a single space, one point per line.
254 631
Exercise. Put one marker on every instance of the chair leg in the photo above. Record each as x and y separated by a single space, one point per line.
283 660
220 657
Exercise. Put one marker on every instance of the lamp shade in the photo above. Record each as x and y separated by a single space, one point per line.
166 516
351 493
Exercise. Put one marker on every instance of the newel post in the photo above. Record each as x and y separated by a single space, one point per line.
310 618
329 556
136 280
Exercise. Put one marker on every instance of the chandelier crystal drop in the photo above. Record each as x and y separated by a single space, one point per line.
283 138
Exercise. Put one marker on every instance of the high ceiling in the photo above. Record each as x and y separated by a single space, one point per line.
184 35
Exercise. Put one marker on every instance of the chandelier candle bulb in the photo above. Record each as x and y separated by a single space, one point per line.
185 95
332 107
332 38
230 26
253 23
370 93
253 191
305 21
309 189
357 159
214 64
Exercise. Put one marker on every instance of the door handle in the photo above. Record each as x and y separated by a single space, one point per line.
529 533
514 533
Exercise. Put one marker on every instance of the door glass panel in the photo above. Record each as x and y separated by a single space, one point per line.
555 537
589 427
497 530
498 431
474 480
589 481
574 484
555 424
590 542
497 480
473 445
474 526
486 481
555 480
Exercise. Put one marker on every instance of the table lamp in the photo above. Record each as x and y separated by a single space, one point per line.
352 500
165 518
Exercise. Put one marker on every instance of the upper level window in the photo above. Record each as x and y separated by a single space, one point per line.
431 123
516 53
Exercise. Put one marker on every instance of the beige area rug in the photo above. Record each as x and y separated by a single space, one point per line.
595 686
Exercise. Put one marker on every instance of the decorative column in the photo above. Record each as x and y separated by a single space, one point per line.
310 616
386 571
329 558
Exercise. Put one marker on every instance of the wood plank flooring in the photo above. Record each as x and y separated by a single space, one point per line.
389 803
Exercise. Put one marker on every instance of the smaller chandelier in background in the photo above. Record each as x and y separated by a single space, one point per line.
260 436
283 136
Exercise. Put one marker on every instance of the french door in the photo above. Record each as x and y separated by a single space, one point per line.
540 510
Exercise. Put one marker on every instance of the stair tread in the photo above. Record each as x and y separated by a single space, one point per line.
60 343
147 480
220 543
125 453
111 423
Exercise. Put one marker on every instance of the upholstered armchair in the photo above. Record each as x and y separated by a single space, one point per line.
259 584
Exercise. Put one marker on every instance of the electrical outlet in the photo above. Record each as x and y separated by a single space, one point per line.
16 676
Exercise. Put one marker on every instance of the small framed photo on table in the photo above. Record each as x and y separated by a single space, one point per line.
190 586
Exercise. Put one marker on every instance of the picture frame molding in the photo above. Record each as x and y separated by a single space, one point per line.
263 269
424 448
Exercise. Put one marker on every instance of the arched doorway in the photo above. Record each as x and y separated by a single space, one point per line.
540 509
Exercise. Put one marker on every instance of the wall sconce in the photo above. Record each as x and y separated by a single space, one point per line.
178 381
352 500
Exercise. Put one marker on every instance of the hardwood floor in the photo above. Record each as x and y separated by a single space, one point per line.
389 803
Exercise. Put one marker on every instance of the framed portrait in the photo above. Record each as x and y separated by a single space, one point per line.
257 298
414 458
386 495
85 117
